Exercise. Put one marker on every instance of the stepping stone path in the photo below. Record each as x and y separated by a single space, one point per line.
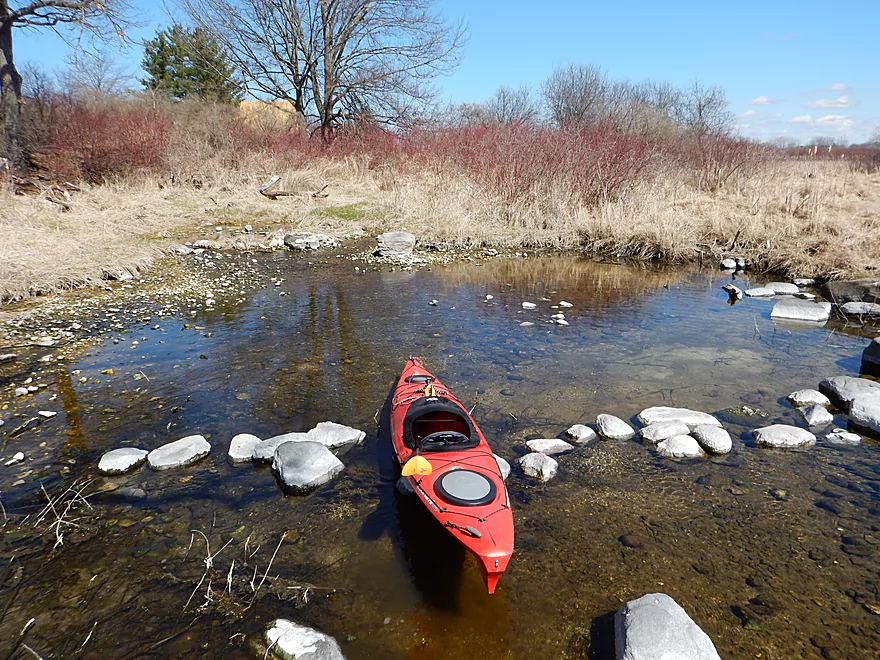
303 466
180 453
335 436
655 627
120 461
614 428
265 451
241 449
782 436
548 446
795 309
291 641
539 466
665 414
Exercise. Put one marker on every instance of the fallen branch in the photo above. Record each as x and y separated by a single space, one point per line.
265 192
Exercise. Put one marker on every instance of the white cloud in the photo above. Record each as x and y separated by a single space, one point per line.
840 102
764 100
835 122
803 119
838 87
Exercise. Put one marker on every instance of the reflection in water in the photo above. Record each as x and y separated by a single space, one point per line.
709 533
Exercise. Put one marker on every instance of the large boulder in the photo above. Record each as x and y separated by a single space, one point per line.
871 357
303 466
396 244
335 436
302 241
120 461
655 627
665 414
614 428
782 436
539 466
844 291
179 453
680 446
291 641
864 413
795 309
843 389
713 439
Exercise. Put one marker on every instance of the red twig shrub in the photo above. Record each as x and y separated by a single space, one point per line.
715 160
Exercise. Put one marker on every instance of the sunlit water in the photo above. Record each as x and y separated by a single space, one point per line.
788 576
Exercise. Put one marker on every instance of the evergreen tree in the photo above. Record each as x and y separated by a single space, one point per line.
188 63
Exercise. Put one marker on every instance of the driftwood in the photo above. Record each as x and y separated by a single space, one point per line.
274 194
57 193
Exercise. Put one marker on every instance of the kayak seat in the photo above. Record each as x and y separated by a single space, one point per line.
438 424
444 439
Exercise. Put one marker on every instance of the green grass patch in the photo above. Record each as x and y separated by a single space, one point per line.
349 213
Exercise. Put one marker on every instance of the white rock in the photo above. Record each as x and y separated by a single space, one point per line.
396 244
563 303
526 324
580 434
539 466
805 295
265 450
860 309
334 436
795 309
655 627
783 436
529 305
21 391
666 414
46 414
816 415
179 453
782 288
291 641
841 437
241 449
808 398
303 466
548 446
17 457
804 281
504 466
680 446
248 229
728 264
609 426
120 461
659 431
713 439
489 296
843 389
760 292
864 412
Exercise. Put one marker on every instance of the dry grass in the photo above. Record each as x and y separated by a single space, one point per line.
795 217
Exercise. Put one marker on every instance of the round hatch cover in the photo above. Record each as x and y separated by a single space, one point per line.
465 488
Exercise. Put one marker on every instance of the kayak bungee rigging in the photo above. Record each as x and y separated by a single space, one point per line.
452 468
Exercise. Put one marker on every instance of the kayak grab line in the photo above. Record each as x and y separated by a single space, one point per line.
473 531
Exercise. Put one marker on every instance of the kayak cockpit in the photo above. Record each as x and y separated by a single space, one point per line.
438 424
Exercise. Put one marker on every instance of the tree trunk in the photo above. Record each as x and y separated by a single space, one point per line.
10 97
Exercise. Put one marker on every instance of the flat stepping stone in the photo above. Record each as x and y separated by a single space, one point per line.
241 449
796 309
580 434
614 428
783 288
265 450
660 431
179 453
120 461
655 627
782 436
680 446
666 414
548 446
760 292
713 439
860 309
808 398
539 466
291 641
334 436
303 466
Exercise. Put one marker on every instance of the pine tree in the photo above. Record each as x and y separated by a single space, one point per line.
188 63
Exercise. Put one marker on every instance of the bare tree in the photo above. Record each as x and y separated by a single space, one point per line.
93 76
703 112
98 17
575 94
512 106
335 60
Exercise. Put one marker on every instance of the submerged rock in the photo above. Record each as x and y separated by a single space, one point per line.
396 244
291 641
841 437
264 451
303 466
783 436
665 414
655 627
680 446
503 466
120 461
816 415
713 439
334 436
548 446
614 428
580 434
808 398
864 413
539 466
843 389
241 449
795 309
660 431
180 453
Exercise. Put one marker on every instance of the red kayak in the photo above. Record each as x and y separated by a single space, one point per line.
451 468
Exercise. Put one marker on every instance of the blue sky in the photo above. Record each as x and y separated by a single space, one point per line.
796 69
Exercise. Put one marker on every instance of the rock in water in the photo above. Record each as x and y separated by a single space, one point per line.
241 449
783 436
783 288
539 466
843 389
334 436
303 466
808 398
503 466
264 451
613 427
760 292
302 241
728 264
396 244
660 431
713 439
548 446
795 309
841 437
580 434
864 413
180 453
843 291
860 309
816 415
120 461
291 641
871 357
680 446
655 627
665 414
